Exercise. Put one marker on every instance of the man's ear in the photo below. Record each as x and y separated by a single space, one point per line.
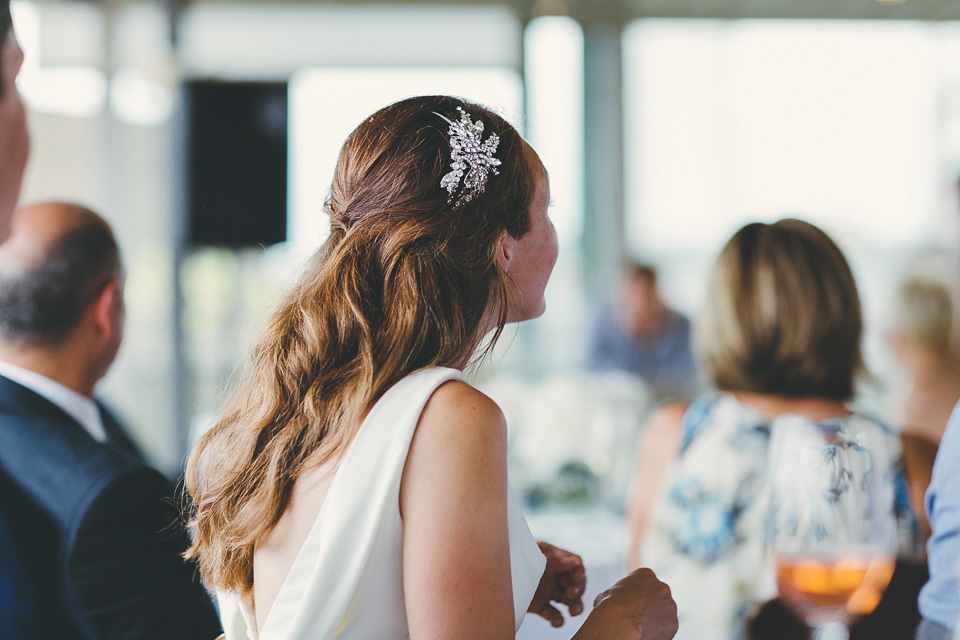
104 308
505 249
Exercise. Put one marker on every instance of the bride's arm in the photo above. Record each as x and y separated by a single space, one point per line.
453 498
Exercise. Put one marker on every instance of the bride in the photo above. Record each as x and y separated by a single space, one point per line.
356 487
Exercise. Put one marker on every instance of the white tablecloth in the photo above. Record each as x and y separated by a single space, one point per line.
597 536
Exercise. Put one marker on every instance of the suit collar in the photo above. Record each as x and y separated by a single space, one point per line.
79 407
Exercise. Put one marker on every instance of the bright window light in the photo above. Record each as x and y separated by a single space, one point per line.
136 99
731 121
26 24
78 91
553 71
554 77
853 125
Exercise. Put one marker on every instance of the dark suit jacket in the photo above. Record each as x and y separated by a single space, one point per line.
98 530
18 597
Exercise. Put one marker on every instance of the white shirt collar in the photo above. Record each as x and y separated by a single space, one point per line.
77 406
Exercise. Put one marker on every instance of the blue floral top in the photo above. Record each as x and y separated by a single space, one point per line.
706 536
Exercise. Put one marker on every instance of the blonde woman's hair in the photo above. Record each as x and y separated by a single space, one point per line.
925 314
782 315
405 281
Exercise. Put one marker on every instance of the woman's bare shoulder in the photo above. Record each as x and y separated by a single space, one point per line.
459 423
668 417
456 404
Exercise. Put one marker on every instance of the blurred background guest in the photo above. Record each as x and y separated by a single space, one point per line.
780 333
939 600
638 333
923 338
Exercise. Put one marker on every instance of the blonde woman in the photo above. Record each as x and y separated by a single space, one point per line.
923 340
923 337
356 488
779 333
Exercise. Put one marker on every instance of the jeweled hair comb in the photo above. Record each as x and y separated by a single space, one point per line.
472 159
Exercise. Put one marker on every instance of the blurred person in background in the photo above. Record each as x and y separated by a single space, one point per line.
779 333
636 332
357 485
97 528
940 597
923 338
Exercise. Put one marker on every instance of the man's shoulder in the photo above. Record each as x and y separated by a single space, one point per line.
122 500
57 464
38 432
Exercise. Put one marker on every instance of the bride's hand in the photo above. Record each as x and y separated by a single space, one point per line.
563 582
637 607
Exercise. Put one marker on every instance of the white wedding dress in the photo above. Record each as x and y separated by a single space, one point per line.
347 581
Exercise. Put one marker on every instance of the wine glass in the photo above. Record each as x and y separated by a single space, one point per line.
831 525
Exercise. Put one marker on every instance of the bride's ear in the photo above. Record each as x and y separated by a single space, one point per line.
505 248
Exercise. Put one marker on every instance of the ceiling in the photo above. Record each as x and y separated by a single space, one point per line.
625 10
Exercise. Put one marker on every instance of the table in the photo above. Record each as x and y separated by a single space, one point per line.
596 535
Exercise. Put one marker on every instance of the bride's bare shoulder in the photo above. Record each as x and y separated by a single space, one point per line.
459 426
458 403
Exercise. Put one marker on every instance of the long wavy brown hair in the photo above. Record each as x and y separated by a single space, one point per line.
405 281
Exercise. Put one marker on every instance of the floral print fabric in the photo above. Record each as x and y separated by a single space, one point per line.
706 537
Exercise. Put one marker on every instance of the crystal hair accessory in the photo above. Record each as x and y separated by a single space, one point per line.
472 159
